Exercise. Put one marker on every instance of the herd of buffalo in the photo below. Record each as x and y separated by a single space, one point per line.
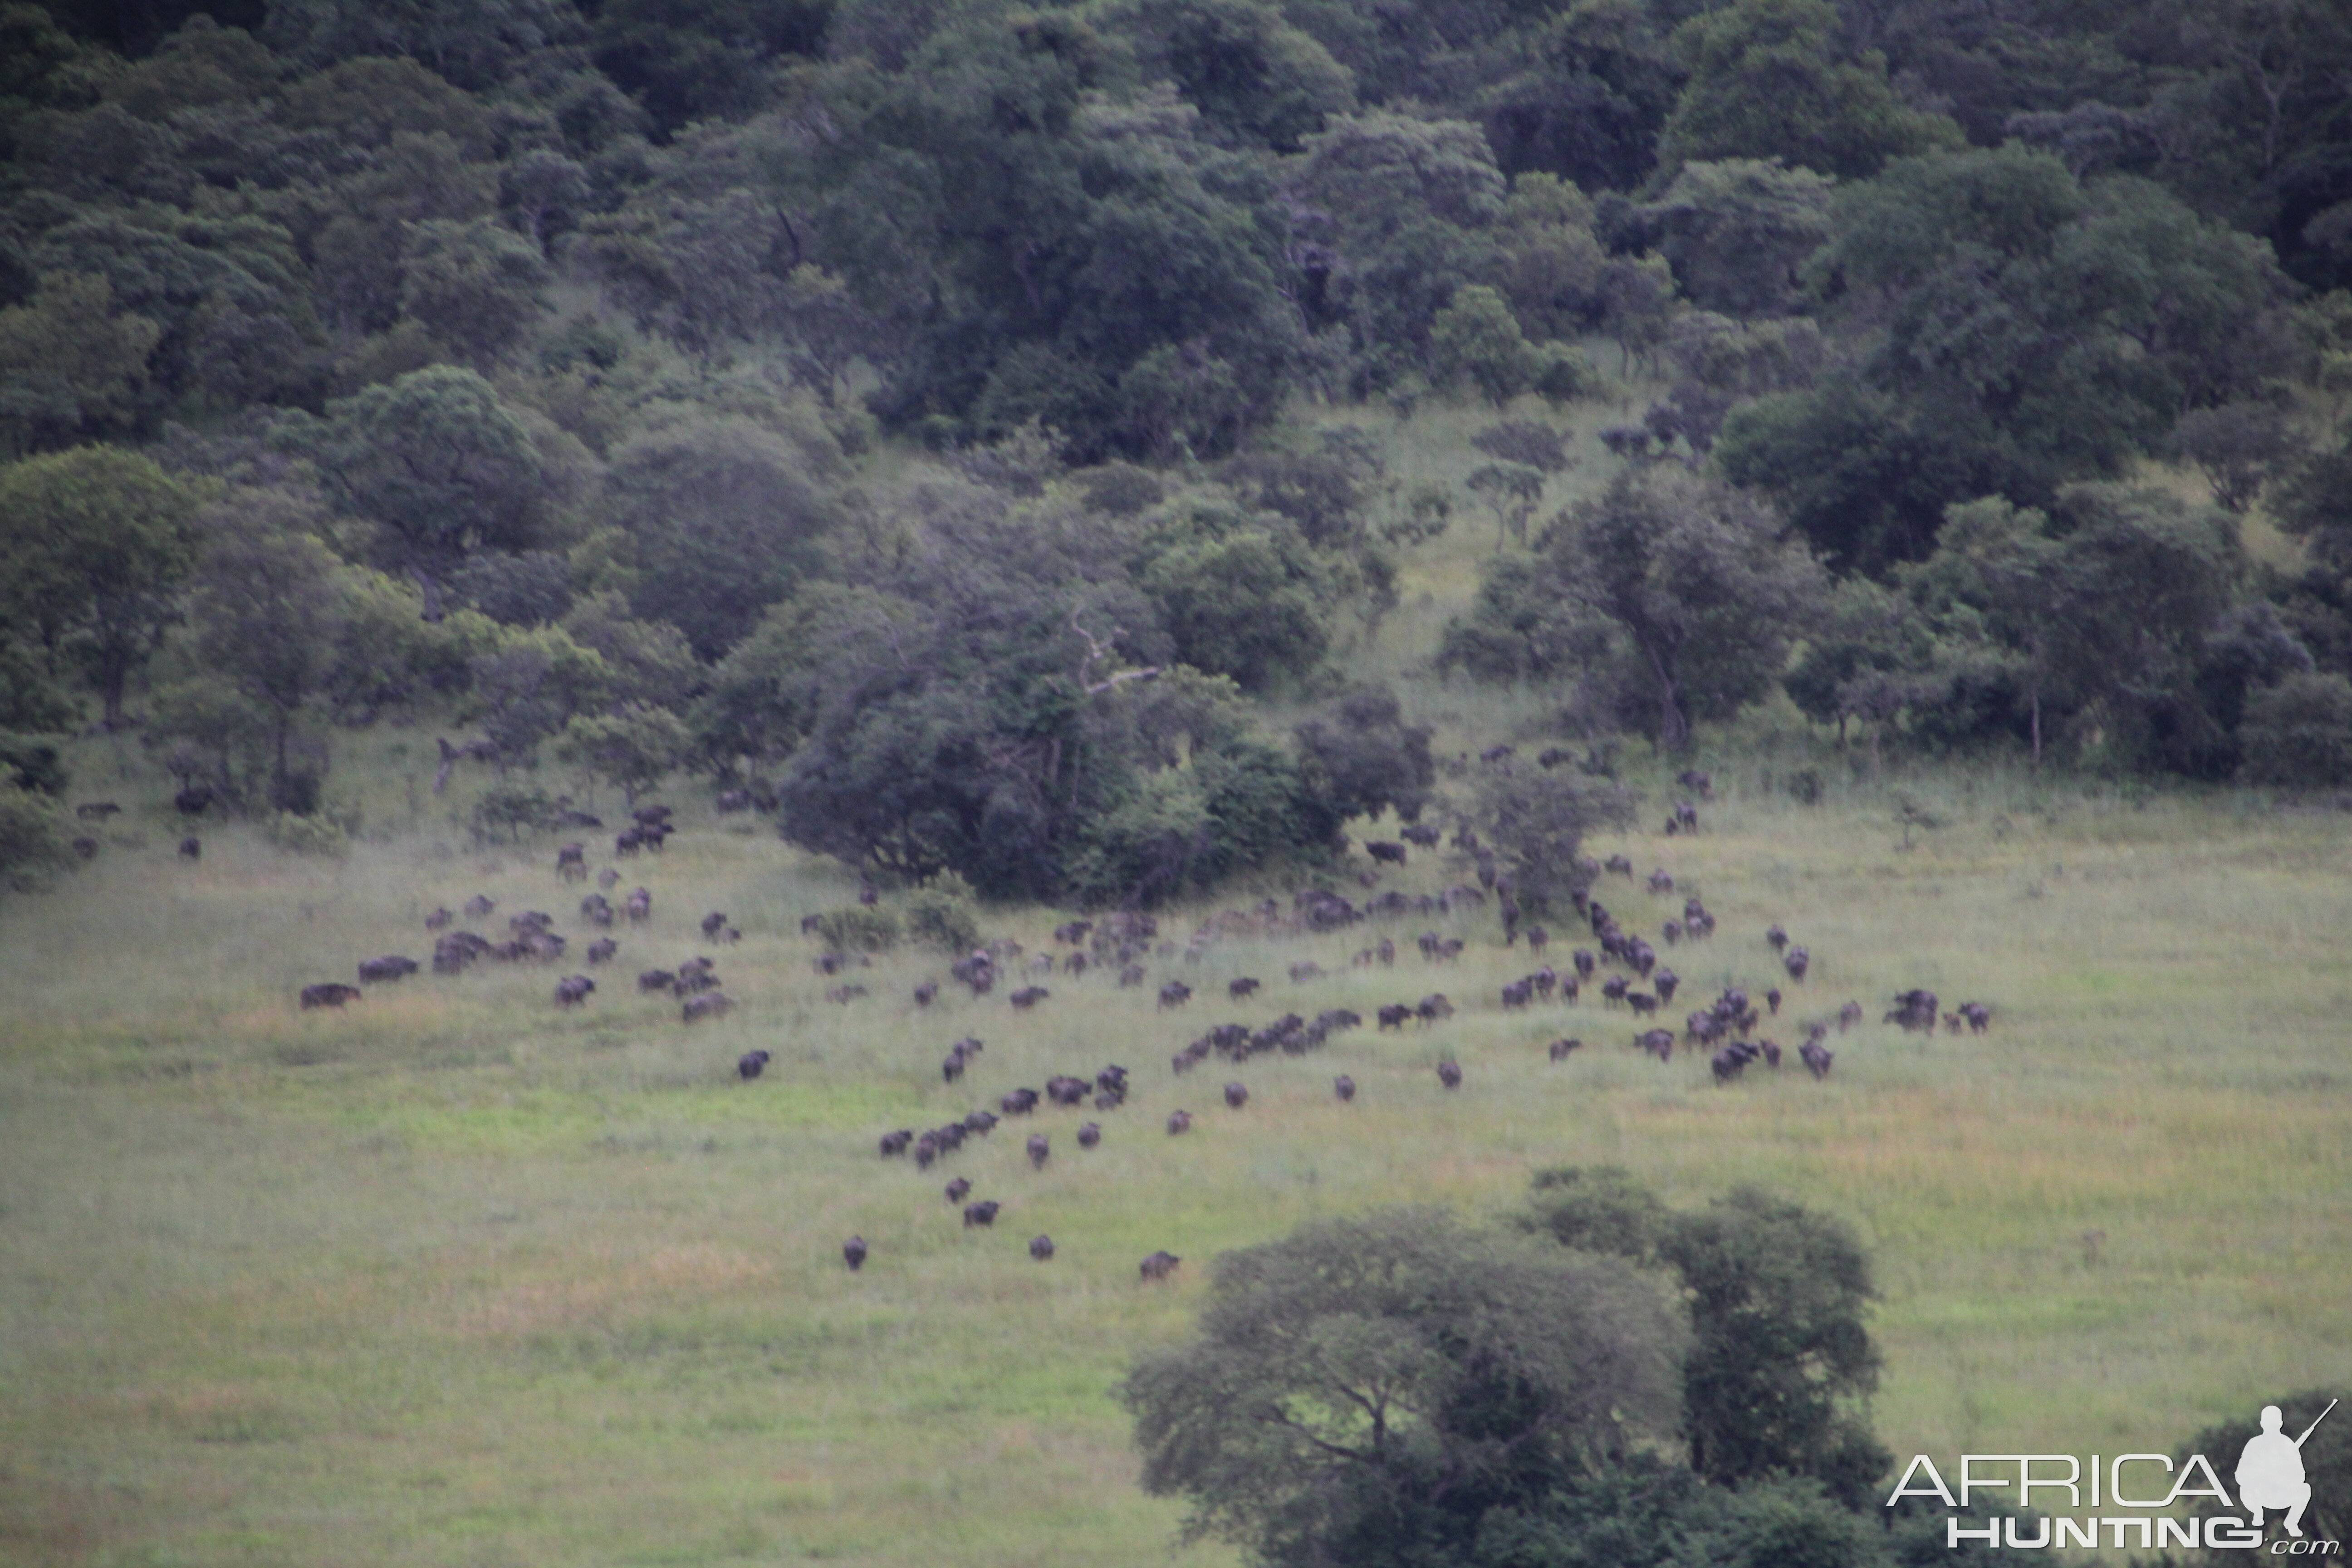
1620 965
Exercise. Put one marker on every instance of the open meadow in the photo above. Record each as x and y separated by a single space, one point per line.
453 1277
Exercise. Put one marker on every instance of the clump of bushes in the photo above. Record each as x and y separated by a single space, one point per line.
942 912
858 928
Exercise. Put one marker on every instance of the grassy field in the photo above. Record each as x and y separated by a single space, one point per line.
452 1278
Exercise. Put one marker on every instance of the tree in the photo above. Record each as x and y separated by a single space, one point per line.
1372 1384
1255 79
97 541
2238 446
263 615
33 837
1707 589
1766 82
438 461
1370 758
1535 820
1780 1358
633 749
1477 338
2299 732
474 286
1737 233
1238 599
1512 492
724 519
70 365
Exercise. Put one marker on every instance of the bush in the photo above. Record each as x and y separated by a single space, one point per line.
511 809
941 912
33 837
2299 732
858 927
299 835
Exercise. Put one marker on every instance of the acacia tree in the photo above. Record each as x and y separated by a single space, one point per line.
1393 1377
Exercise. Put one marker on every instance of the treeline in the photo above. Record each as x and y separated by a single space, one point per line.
526 358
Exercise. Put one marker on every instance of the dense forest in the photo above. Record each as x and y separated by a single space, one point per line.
892 409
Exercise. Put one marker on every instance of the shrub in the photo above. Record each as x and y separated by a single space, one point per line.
33 837
2300 731
512 808
941 912
299 835
858 928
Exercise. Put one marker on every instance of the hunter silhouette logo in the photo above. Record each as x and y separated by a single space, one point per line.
2270 1471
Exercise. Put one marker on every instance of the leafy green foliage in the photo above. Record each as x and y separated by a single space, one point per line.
1535 820
34 836
858 928
941 912
2299 732
633 748
1370 1383
1368 758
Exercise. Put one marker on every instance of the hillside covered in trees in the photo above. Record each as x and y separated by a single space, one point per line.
900 410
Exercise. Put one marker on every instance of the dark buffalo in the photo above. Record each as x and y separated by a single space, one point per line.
709 1004
1236 1096
1585 963
572 862
438 920
572 990
1420 833
1385 852
1019 1102
331 993
1558 1050
853 1252
192 847
1977 1017
926 993
193 800
1778 938
979 1122
1179 1121
959 1189
1433 1008
1659 1043
1041 1247
655 980
477 907
1450 1074
983 1213
1796 961
1160 1265
1175 994
1772 1000
392 967
1240 989
601 949
1665 980
1344 1086
1089 1135
750 1064
640 905
951 1067
1816 1058
1038 1150
1849 1015
1028 996
894 1145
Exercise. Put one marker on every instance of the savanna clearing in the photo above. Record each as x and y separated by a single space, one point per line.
452 1277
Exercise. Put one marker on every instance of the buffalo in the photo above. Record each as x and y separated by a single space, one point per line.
1038 1150
1386 853
1433 1008
750 1064
1778 938
713 923
192 847
393 967
979 1122
1041 1247
1420 833
193 800
1344 1086
1659 1043
1665 980
1175 994
1089 1135
572 990
1241 988
1772 1001
438 920
655 980
853 1252
1179 1121
601 949
1019 1102
1558 1050
1160 1265
331 993
894 1145
709 1004
984 1213
572 862
1796 961
1816 1058
477 907
1449 1073
1977 1017
959 1189
1849 1015
1236 1096
1028 996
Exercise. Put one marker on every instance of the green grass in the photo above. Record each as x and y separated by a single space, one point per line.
452 1278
